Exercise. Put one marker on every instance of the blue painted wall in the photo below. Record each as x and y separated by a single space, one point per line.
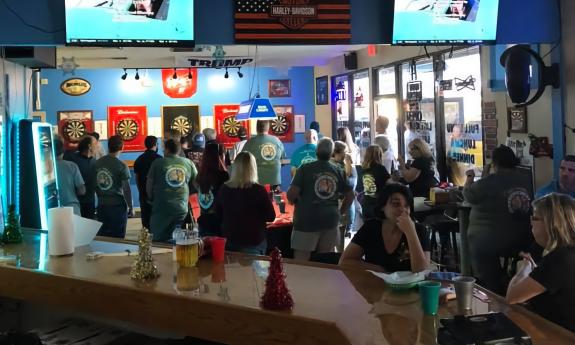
108 89
526 21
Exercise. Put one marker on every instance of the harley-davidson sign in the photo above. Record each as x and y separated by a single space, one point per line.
75 86
293 21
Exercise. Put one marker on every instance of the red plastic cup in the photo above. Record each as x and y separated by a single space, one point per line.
218 249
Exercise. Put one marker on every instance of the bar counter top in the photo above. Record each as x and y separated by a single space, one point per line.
220 302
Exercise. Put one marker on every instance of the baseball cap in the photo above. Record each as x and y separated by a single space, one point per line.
199 140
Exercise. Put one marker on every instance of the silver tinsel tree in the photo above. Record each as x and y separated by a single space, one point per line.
144 267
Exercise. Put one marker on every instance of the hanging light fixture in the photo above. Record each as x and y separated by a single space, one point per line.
190 74
240 74
125 75
137 77
227 75
175 75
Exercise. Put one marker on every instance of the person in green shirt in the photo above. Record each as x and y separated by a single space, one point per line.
306 153
315 191
113 190
168 188
269 152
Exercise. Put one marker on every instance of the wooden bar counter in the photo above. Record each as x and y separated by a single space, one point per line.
221 302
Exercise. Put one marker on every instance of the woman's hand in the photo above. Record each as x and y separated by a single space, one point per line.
405 224
347 159
528 259
401 161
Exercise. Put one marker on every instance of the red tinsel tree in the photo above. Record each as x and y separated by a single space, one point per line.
276 296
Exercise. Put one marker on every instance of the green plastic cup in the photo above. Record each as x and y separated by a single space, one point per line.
429 292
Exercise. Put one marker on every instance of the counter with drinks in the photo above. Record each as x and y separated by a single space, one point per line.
220 301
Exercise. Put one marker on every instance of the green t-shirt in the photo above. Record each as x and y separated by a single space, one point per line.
303 154
170 177
110 175
268 151
321 183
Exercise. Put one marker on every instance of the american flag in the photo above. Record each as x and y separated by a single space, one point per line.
292 21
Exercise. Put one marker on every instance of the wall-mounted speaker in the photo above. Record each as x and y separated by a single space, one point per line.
350 60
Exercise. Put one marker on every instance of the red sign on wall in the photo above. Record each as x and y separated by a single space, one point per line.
183 86
74 125
283 125
226 125
131 123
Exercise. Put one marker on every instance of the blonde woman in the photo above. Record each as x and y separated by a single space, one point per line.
342 159
244 207
420 174
549 287
374 178
344 135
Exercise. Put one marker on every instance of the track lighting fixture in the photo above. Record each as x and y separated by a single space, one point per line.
125 75
137 77
227 75
190 74
240 74
175 76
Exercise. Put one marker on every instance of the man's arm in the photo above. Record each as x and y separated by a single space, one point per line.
128 197
293 194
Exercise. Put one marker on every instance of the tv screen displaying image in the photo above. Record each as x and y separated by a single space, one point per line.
130 23
420 22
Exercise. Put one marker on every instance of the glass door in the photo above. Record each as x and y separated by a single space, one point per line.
361 104
385 104
418 84
341 112
460 99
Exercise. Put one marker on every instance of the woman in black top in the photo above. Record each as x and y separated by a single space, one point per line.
211 177
374 177
549 287
394 243
420 175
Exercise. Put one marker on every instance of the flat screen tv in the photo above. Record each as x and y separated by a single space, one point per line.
130 23
421 22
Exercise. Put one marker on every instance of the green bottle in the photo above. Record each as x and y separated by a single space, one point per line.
12 231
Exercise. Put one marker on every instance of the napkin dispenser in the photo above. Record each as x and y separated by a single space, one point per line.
439 195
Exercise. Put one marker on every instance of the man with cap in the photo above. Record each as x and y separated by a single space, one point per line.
141 168
239 146
196 152
305 153
315 126
566 183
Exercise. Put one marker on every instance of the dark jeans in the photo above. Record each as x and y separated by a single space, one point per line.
88 210
260 249
145 213
114 219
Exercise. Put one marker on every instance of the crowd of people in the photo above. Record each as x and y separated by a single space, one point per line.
234 189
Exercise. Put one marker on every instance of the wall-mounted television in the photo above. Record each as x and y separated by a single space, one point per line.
421 22
130 23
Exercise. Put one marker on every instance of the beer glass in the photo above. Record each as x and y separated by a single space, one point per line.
187 247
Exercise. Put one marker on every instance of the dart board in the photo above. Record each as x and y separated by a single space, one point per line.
231 126
280 125
74 130
127 129
182 125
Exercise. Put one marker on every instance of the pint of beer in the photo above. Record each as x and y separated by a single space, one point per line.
187 252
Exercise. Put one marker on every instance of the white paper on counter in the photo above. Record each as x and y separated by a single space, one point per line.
85 230
61 234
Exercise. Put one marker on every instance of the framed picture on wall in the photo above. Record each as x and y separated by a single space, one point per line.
517 119
184 119
321 90
73 125
279 88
